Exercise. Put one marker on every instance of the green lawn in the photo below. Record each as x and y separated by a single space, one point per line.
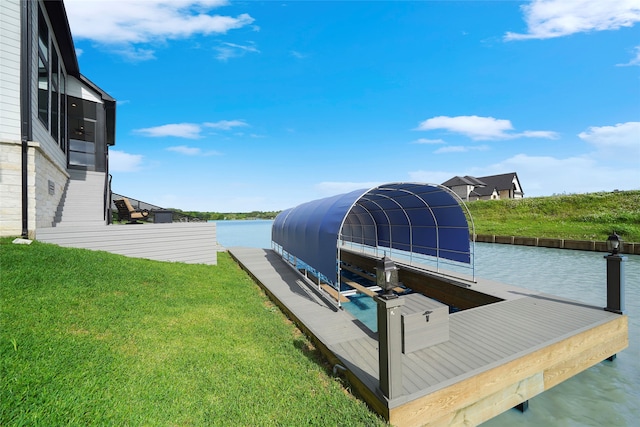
91 338
592 216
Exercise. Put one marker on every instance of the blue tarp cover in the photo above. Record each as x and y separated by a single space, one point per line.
420 218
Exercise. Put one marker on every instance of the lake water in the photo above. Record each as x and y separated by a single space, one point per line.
607 394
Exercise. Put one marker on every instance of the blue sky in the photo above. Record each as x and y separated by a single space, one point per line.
234 106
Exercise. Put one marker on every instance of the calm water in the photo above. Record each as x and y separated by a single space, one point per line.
607 394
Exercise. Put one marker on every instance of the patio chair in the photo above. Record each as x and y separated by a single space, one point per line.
126 212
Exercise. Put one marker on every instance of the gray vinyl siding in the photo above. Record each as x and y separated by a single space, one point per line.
10 70
191 243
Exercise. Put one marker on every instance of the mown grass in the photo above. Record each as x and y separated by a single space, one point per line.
91 338
590 216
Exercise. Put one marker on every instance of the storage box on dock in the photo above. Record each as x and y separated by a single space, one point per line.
425 322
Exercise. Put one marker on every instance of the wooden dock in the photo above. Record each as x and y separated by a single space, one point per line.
499 354
192 243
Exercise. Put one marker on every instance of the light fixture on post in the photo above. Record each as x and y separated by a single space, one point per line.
614 243
387 277
615 275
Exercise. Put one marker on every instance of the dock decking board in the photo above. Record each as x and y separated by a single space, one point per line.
498 355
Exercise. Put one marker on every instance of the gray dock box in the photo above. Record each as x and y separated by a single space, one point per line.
425 322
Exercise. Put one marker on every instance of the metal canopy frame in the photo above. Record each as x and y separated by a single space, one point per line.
409 218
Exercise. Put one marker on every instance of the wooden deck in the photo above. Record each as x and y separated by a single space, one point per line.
192 243
498 355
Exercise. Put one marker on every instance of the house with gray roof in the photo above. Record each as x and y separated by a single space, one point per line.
493 187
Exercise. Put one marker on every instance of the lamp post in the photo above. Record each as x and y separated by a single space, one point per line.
387 277
389 329
615 275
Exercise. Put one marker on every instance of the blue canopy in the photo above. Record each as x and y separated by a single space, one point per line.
412 217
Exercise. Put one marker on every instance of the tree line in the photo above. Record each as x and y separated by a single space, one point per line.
221 216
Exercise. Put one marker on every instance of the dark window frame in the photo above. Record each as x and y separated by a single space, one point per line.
43 69
52 99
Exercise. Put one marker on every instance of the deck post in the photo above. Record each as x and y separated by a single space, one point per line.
615 283
390 345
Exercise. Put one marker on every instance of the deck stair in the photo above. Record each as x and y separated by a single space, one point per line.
191 243
82 203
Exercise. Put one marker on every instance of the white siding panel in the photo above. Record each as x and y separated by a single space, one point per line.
10 70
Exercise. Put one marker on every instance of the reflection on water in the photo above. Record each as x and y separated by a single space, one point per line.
608 394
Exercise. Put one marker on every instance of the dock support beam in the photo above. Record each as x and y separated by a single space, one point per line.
390 345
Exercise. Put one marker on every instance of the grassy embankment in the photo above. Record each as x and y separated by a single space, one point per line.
590 216
91 338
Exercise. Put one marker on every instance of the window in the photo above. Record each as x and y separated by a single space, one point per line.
82 132
63 113
43 69
43 35
52 101
43 92
55 106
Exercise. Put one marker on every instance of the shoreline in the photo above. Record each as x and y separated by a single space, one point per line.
629 248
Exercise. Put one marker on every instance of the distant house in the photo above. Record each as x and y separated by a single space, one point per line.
494 187
56 125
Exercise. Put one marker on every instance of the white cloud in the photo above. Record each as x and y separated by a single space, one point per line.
428 141
620 136
189 130
480 128
233 50
546 175
226 124
546 134
179 130
145 21
191 151
451 149
134 54
634 61
556 18
183 149
461 149
119 161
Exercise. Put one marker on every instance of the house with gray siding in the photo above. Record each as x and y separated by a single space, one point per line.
55 125
493 187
